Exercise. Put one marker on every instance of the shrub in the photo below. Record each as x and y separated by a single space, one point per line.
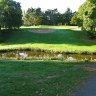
91 35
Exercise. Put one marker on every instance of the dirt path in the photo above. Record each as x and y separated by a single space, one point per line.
88 67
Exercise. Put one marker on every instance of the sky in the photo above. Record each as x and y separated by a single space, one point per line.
61 5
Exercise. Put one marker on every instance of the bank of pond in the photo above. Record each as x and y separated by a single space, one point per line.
46 55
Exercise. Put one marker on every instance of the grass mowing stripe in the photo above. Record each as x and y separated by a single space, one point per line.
60 40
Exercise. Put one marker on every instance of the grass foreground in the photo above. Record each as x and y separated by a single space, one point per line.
60 40
41 78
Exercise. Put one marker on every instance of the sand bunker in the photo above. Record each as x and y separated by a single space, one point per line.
41 30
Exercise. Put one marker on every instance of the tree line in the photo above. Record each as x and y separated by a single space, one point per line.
35 16
11 16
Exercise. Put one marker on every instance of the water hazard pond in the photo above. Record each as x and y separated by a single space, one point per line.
43 55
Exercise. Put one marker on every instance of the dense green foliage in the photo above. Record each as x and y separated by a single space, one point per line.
10 14
59 40
33 17
74 19
86 17
41 78
49 17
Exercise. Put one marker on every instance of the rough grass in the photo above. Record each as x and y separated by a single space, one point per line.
60 40
41 78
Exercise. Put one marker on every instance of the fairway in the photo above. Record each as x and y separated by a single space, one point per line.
66 40
41 78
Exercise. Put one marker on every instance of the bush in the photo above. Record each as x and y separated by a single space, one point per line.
91 35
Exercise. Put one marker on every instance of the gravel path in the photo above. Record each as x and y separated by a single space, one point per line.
89 89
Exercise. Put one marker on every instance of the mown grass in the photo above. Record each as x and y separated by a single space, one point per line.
60 40
41 78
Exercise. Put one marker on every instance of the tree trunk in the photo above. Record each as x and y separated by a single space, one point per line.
0 27
94 29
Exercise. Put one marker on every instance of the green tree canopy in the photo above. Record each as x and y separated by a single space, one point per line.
10 14
48 17
86 16
33 17
67 16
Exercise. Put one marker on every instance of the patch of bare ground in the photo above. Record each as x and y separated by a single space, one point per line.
49 77
89 40
75 29
88 67
42 30
52 76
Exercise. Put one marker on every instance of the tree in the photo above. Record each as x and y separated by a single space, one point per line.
1 13
86 17
33 17
52 17
10 14
49 17
67 16
74 19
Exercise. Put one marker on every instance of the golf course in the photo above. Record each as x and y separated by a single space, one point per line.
45 77
59 38
47 48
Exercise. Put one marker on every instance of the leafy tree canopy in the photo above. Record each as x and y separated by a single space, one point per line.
49 17
10 14
86 16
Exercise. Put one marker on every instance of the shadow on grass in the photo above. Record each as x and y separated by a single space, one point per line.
58 62
59 36
27 78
